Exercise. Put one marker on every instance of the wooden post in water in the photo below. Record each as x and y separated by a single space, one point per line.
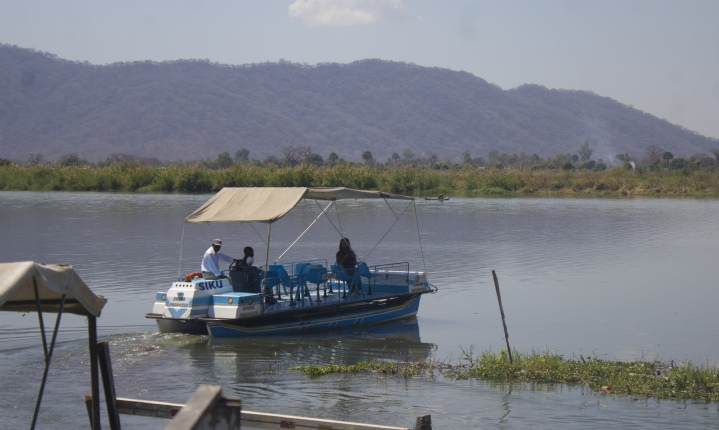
423 422
501 311
108 382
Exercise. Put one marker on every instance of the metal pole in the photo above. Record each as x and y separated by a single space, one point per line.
267 262
501 311
39 316
48 357
182 245
94 373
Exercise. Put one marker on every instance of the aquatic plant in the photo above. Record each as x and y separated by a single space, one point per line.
637 379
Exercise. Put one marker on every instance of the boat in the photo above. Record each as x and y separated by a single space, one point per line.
440 197
293 297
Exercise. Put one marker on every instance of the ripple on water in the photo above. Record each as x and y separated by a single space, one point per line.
613 278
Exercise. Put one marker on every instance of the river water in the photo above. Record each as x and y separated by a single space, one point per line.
616 279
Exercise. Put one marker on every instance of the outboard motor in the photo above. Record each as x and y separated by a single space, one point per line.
189 300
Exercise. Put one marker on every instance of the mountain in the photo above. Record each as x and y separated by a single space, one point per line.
195 109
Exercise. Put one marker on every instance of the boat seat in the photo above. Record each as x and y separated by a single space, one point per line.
348 281
315 275
271 279
292 282
364 271
301 269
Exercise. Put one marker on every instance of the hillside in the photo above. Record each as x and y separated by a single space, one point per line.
195 109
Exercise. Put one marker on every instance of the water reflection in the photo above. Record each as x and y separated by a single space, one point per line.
258 369
238 359
397 341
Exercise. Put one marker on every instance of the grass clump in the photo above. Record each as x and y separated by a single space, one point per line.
406 369
638 379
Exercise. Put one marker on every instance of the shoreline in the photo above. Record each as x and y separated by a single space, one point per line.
411 181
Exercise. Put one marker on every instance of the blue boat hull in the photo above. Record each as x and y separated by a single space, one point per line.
303 322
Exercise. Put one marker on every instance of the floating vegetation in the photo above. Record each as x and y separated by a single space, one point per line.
406 369
638 379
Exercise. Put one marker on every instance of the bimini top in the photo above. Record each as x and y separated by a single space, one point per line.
271 203
17 292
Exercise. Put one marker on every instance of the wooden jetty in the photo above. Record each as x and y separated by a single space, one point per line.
28 286
207 409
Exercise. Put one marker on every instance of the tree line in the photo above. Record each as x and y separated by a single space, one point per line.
653 158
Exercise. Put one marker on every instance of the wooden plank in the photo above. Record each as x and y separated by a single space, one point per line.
108 382
146 408
202 401
220 413
423 422
260 420
225 415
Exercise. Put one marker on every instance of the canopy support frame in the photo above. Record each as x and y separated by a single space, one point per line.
324 211
48 352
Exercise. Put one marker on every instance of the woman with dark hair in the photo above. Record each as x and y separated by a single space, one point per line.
347 258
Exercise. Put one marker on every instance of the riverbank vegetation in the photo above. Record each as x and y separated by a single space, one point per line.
499 174
409 180
638 379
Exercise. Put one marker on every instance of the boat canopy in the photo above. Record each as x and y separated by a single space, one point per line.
27 286
268 204
18 283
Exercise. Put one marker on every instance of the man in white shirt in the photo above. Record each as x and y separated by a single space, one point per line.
211 261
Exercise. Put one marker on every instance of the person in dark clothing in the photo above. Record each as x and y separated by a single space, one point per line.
245 276
347 258
249 257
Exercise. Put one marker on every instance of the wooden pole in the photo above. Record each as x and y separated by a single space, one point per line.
108 382
501 311
423 422
94 372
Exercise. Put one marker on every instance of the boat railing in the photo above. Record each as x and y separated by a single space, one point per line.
300 267
379 270
299 280
387 274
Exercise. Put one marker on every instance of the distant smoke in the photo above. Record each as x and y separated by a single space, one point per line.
600 140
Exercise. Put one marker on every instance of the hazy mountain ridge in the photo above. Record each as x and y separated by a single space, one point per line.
195 109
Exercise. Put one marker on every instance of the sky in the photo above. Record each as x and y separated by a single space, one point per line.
659 56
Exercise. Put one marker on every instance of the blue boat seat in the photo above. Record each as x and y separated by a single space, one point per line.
315 275
364 271
353 282
271 279
292 282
